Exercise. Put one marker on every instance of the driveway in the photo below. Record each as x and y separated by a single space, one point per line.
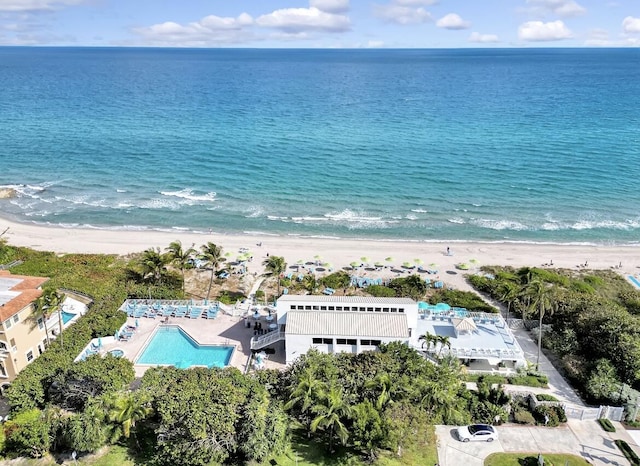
582 438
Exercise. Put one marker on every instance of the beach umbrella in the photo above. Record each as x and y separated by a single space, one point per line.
317 257
327 265
354 264
433 264
473 261
379 264
389 259
365 259
418 261
407 265
463 266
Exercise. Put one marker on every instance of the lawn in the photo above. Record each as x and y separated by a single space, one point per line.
531 459
304 453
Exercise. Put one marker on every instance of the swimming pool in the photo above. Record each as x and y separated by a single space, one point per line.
66 317
172 346
634 280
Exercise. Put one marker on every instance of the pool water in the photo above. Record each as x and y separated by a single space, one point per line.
67 316
172 346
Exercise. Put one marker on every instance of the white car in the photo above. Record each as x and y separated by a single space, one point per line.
479 432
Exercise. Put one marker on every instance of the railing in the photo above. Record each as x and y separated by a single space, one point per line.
264 340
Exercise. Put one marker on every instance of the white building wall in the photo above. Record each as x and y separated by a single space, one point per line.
297 345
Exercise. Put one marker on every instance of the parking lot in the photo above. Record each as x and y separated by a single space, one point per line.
582 438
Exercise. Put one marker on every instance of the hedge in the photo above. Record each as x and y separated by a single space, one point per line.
606 425
628 452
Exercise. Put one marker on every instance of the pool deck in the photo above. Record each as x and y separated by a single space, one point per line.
223 330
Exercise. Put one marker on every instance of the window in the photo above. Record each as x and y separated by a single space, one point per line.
341 341
369 309
362 309
292 308
365 342
317 341
40 349
351 342
41 323
300 307
307 308
7 324
385 309
323 308
3 346
332 308
338 308
354 308
393 309
316 308
401 309
327 341
378 309
29 355
12 342
3 371
375 342
16 319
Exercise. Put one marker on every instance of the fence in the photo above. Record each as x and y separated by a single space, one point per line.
613 413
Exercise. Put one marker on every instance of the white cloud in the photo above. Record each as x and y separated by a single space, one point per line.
631 24
401 14
537 31
562 8
35 5
294 20
330 6
483 38
210 30
453 21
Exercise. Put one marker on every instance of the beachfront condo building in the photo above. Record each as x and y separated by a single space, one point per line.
334 324
22 339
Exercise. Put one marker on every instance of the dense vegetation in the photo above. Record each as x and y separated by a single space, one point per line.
592 319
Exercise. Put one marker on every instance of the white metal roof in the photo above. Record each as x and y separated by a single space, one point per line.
344 299
357 324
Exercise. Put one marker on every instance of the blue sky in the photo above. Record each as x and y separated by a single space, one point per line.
322 23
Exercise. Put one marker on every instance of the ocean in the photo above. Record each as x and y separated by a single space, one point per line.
526 145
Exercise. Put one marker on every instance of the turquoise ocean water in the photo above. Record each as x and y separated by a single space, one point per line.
539 145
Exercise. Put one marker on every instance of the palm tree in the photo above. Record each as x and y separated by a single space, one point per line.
212 254
428 339
306 394
332 412
154 265
381 381
444 341
539 296
509 291
180 257
44 307
274 266
310 283
127 409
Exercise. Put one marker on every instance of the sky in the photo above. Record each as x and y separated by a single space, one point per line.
322 23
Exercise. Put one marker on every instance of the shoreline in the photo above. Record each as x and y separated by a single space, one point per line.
338 252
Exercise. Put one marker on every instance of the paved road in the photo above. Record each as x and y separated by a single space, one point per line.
582 438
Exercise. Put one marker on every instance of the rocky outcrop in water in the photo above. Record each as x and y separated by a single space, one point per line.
7 193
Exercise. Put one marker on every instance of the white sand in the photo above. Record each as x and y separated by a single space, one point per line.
337 252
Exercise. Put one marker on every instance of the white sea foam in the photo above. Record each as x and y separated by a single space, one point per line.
254 212
499 224
419 211
457 220
275 217
189 195
411 217
121 190
606 224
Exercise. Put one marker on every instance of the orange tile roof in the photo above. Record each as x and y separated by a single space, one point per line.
29 292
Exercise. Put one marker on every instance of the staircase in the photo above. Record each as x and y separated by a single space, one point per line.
265 340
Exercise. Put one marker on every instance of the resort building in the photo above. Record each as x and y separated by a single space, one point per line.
21 339
333 324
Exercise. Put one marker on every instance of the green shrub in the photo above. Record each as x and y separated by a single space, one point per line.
550 416
466 299
336 280
522 416
606 425
628 452
27 434
380 291
545 397
582 287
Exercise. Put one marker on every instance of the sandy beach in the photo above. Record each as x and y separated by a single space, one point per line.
337 252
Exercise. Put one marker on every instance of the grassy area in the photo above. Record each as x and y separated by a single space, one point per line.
531 459
305 453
